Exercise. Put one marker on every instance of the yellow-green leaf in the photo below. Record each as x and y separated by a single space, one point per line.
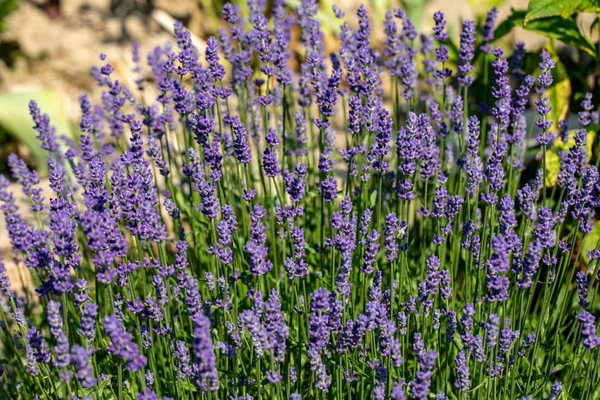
559 94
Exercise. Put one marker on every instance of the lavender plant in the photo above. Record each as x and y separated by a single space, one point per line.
258 232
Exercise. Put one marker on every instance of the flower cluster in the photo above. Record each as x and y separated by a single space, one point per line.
264 232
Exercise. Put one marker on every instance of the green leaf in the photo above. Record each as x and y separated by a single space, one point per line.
6 7
15 118
478 386
564 8
560 94
555 27
311 250
373 199
560 367
517 18
564 30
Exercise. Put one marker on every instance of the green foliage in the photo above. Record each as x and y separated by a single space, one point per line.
6 7
555 27
564 8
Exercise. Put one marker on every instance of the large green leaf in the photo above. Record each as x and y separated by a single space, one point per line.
15 118
564 8
555 27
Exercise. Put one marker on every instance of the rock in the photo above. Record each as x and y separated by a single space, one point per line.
113 29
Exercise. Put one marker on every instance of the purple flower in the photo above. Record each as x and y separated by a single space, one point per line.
450 326
295 183
582 288
371 248
5 282
297 267
487 31
317 365
54 317
542 104
466 53
270 163
46 132
497 266
121 344
319 319
588 330
473 165
255 247
492 329
36 350
397 392
240 140
216 70
91 119
584 116
204 368
80 360
507 337
250 320
155 153
555 390
182 359
393 228
544 229
501 91
518 60
462 382
440 24
326 95
527 342
517 108
325 162
29 181
329 188
62 358
419 387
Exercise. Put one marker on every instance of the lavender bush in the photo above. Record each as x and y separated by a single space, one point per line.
357 229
